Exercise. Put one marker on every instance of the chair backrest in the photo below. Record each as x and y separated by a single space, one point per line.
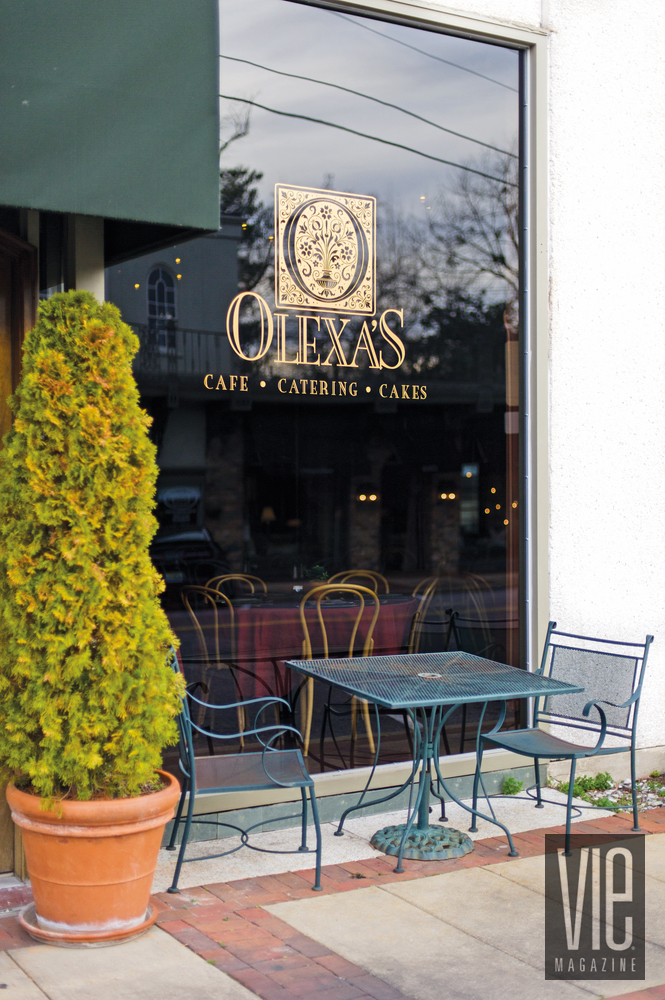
375 579
320 596
186 741
425 590
205 599
267 732
218 582
488 637
610 671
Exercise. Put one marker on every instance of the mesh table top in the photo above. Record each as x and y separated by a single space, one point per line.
419 680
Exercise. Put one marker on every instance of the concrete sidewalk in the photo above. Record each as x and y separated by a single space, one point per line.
154 967
461 929
476 934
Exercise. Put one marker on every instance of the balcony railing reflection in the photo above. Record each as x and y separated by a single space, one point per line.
170 350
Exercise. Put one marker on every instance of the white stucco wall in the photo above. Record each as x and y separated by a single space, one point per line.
607 319
607 374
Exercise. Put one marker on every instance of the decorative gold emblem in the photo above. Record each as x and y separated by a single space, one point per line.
324 250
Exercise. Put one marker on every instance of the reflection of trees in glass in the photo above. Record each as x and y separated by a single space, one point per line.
473 239
239 196
462 273
462 336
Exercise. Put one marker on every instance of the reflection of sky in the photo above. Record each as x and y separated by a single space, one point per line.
318 43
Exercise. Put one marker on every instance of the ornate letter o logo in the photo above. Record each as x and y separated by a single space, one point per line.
233 326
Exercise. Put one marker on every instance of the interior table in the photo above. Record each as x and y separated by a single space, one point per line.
268 631
429 687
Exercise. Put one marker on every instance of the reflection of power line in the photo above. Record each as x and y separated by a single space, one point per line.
387 104
364 135
423 53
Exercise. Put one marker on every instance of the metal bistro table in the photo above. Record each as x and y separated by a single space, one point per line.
429 686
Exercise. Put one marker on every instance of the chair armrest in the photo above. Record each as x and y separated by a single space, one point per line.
272 700
603 723
626 704
277 729
267 750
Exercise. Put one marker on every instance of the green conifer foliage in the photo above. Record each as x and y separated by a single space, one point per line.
87 700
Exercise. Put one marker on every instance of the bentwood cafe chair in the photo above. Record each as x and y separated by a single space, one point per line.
612 674
326 599
266 769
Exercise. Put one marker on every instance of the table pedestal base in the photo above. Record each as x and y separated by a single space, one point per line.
434 844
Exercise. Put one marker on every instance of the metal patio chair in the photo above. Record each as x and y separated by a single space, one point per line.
348 575
219 582
321 596
612 674
482 636
203 605
239 772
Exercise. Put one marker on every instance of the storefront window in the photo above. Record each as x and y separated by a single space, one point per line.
339 390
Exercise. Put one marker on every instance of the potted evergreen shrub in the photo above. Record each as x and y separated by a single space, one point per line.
87 699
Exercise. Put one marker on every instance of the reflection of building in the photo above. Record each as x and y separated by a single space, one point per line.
176 299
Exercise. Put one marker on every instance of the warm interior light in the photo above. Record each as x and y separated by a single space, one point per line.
498 506
362 497
468 475
493 490
487 510
444 496
451 496
505 522
372 496
514 503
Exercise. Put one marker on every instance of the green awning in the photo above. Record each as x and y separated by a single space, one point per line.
111 109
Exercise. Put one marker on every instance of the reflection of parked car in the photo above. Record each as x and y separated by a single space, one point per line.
188 557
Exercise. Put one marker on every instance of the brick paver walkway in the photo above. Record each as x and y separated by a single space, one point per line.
226 925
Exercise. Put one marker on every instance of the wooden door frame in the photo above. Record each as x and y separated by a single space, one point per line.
21 257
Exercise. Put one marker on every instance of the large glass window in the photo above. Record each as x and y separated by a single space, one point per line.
341 394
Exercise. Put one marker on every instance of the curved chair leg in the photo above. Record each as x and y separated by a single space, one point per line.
317 827
308 711
407 730
185 837
569 806
636 818
178 815
476 778
536 770
303 842
354 731
241 725
322 738
368 725
444 737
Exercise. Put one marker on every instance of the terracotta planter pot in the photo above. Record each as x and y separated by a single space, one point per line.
91 867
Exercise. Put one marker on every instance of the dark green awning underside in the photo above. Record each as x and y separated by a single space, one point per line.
111 109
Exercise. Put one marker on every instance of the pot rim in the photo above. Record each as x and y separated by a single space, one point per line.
94 812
